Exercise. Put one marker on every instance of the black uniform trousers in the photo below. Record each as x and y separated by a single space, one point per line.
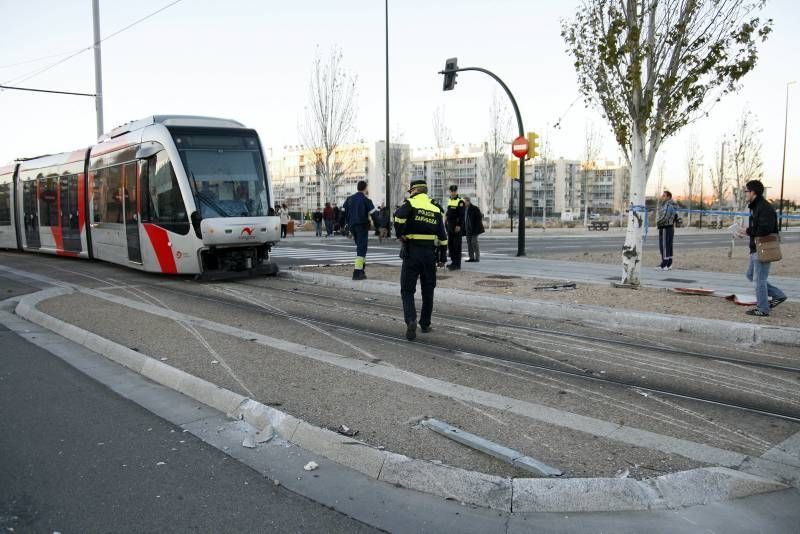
419 263
454 244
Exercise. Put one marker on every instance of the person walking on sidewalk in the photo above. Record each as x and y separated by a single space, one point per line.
419 227
763 222
283 213
667 214
359 209
327 216
473 227
455 226
317 218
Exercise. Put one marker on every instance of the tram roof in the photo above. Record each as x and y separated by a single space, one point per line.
171 120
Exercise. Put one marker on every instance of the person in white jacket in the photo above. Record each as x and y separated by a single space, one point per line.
283 213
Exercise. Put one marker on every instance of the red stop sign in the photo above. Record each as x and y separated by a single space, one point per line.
519 147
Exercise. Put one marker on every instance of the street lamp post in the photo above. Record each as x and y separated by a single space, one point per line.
702 182
388 158
783 164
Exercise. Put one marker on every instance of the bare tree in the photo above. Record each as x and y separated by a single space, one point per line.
330 120
720 177
694 160
745 156
400 163
650 65
444 140
591 151
495 152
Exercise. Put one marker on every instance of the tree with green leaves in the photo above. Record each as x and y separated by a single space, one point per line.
652 66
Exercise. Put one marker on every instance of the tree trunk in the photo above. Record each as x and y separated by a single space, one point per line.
632 250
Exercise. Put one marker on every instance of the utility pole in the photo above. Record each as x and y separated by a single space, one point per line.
783 165
388 153
98 68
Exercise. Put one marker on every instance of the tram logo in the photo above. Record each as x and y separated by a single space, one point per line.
247 233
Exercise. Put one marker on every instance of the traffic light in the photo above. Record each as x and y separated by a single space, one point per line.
533 145
512 169
450 66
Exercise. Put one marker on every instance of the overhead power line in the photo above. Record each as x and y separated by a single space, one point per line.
46 91
37 72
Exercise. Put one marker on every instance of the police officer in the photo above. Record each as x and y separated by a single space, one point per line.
455 227
359 208
418 225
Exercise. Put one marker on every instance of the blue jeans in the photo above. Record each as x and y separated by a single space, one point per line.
757 272
318 228
328 227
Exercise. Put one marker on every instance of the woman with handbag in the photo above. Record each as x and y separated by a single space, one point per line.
763 231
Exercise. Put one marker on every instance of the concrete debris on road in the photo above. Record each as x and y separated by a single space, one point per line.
346 431
265 434
310 466
249 442
622 473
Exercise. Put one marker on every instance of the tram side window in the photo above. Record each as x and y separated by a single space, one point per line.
5 204
162 202
107 195
48 202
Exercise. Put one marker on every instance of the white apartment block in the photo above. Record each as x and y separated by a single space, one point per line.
558 185
296 182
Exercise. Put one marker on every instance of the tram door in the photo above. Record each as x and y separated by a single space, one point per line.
131 196
70 229
30 214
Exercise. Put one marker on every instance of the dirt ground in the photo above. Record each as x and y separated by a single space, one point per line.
714 259
651 300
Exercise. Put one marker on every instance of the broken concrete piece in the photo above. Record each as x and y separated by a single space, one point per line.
310 466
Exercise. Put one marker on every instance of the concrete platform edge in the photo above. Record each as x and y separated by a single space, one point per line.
470 487
590 315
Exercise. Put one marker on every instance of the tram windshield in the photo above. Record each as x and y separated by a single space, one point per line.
226 172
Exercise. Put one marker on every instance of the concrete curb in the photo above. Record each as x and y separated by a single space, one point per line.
585 314
697 486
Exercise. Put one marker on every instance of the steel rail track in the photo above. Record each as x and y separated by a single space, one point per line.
573 335
486 357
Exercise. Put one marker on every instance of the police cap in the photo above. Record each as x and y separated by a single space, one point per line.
416 183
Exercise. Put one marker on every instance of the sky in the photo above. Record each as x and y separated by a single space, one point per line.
251 60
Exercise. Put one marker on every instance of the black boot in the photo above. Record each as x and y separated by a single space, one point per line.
411 331
359 274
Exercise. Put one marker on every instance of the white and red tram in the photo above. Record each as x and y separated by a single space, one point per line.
165 194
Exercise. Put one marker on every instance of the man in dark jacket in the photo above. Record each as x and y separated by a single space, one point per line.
763 222
358 210
473 227
454 218
317 218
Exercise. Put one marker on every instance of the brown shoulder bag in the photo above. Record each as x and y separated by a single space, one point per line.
768 248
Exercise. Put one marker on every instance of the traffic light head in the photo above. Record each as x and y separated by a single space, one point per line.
533 145
512 169
450 67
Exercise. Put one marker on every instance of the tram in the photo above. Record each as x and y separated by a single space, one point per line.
166 194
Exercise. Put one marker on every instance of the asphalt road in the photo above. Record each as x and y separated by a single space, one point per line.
75 457
304 248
